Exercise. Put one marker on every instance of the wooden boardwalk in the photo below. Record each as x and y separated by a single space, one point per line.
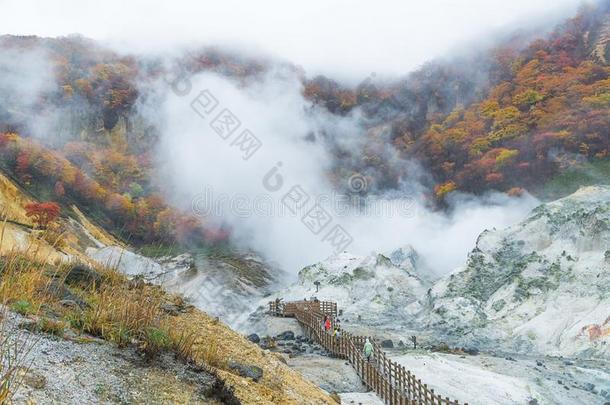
394 384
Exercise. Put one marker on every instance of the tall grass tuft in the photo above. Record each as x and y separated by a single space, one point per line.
15 344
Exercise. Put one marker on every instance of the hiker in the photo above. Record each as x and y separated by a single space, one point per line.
277 305
337 333
327 324
368 349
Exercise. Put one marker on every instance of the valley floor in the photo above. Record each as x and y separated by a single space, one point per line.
485 379
482 379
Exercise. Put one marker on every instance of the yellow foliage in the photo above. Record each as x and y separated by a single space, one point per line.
441 190
600 101
505 116
488 108
505 156
454 117
479 146
527 97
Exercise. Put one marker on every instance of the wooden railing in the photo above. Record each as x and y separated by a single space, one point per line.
394 384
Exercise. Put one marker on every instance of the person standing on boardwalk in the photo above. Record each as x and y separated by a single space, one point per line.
368 349
278 306
337 334
327 324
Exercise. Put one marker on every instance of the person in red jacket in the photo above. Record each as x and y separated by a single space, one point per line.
327 324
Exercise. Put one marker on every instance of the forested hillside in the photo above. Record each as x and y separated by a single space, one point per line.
95 149
508 119
528 114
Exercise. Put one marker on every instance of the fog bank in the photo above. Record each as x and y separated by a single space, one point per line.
218 180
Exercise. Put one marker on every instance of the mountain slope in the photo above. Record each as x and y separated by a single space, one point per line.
540 286
26 257
372 290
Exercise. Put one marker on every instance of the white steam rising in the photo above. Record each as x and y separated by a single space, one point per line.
201 171
25 75
210 175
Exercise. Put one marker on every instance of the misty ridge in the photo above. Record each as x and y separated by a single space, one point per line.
228 137
191 156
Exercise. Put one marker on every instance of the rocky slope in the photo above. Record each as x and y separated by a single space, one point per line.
540 286
372 290
531 305
226 286
76 368
90 371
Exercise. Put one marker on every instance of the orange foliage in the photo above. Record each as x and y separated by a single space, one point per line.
550 97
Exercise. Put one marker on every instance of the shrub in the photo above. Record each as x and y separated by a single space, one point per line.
155 340
42 213
22 307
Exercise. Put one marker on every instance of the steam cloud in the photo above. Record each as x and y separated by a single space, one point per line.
208 174
25 75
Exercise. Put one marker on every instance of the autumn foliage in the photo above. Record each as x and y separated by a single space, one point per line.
554 106
116 193
543 106
43 213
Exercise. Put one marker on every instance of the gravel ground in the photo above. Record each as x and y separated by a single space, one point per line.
512 379
332 375
66 372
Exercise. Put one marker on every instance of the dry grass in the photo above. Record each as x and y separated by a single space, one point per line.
116 310
188 345
130 313
51 326
183 343
54 235
210 354
119 314
21 282
15 344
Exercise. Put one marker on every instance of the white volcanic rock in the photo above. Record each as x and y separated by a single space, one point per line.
376 289
227 286
126 261
542 285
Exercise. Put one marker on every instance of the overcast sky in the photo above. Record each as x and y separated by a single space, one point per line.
330 36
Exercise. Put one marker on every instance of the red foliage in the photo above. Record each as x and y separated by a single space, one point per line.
42 213
494 178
